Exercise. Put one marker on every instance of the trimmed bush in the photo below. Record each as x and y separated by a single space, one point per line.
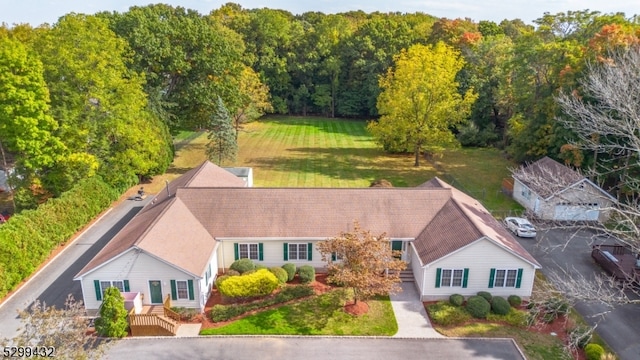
221 279
243 265
232 273
291 270
260 267
593 351
555 307
517 318
307 274
500 306
478 307
514 300
259 283
486 295
280 273
446 314
580 336
456 299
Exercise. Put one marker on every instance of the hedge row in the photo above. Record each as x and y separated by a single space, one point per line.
29 237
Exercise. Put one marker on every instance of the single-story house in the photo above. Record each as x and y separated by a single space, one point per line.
552 191
177 244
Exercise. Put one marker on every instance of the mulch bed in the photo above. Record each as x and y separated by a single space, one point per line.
560 327
320 286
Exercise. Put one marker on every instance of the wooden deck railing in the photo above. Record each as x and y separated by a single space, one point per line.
167 309
142 324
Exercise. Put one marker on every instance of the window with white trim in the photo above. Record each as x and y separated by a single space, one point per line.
505 278
526 193
182 290
105 284
297 251
248 251
451 277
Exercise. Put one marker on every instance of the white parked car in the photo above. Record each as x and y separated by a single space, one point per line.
521 227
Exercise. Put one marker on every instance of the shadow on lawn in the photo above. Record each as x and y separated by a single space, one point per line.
351 164
308 317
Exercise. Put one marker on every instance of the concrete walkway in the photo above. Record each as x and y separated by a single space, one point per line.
411 316
188 330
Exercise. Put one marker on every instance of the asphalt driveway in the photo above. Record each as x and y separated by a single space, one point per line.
313 348
565 249
55 282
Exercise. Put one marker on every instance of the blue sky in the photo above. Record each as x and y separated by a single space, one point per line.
36 12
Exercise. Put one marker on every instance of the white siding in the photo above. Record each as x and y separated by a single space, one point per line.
139 268
273 253
418 273
576 195
523 195
480 257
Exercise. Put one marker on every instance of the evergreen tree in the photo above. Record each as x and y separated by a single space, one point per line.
113 316
222 136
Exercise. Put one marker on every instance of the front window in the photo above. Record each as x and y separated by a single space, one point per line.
118 284
505 278
451 277
248 251
182 289
297 251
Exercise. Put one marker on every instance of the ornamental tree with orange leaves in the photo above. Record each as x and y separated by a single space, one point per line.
363 262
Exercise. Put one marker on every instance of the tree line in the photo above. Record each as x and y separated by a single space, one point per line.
100 94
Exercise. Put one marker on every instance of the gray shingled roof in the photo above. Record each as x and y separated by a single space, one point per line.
546 177
440 218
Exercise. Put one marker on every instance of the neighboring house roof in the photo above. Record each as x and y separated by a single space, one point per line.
439 217
547 178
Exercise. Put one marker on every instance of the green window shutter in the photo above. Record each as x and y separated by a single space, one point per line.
260 251
465 277
126 286
492 276
286 252
236 251
96 284
190 285
333 256
309 251
519 279
174 292
438 274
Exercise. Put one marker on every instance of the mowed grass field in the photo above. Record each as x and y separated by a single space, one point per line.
321 152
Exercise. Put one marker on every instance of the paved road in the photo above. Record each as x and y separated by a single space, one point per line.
313 348
565 249
55 282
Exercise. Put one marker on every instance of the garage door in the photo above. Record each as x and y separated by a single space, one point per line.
577 212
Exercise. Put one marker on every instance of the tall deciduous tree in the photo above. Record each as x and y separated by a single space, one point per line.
187 59
26 126
420 102
100 105
222 138
363 262
253 100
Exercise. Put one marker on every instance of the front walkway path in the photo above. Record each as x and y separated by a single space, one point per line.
188 330
411 316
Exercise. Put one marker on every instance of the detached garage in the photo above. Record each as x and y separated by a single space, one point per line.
552 191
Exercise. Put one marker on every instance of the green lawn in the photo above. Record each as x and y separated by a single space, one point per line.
321 152
319 315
